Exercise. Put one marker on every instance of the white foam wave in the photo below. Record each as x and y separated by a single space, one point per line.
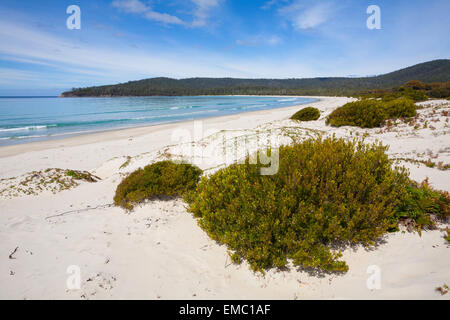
27 128
286 100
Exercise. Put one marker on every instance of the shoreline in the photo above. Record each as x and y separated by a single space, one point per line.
75 139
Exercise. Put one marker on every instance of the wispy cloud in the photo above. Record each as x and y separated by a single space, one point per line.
72 61
131 6
61 62
271 3
138 7
340 43
203 11
163 17
303 15
268 4
200 14
260 40
9 75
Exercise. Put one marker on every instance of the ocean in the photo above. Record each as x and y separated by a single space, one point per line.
27 119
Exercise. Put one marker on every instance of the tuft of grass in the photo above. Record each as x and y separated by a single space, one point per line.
82 175
50 179
429 163
126 163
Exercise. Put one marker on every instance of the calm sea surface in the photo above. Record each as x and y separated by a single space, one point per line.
41 118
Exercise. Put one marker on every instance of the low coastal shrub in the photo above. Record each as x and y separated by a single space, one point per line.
414 90
408 93
371 113
164 178
417 96
399 108
326 192
307 114
363 113
419 202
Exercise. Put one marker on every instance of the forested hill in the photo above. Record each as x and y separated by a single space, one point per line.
432 71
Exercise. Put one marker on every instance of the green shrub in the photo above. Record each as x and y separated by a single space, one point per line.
326 191
408 93
400 108
306 114
363 113
419 201
414 90
440 93
371 113
416 96
164 178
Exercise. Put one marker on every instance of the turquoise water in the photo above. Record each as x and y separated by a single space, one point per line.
27 119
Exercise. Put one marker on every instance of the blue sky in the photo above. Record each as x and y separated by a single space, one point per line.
122 40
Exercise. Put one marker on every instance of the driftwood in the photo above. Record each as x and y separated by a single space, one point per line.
12 253
81 210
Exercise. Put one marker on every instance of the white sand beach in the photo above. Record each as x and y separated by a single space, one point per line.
159 252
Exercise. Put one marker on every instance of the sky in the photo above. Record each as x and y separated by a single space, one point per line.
123 40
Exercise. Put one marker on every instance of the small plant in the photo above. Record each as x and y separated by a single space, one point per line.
429 163
443 166
307 114
126 163
419 202
82 175
443 290
164 178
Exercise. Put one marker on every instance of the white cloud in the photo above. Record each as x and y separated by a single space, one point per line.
304 16
72 62
202 11
8 75
200 14
312 17
132 6
138 7
271 3
268 4
273 40
260 40
64 62
163 17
